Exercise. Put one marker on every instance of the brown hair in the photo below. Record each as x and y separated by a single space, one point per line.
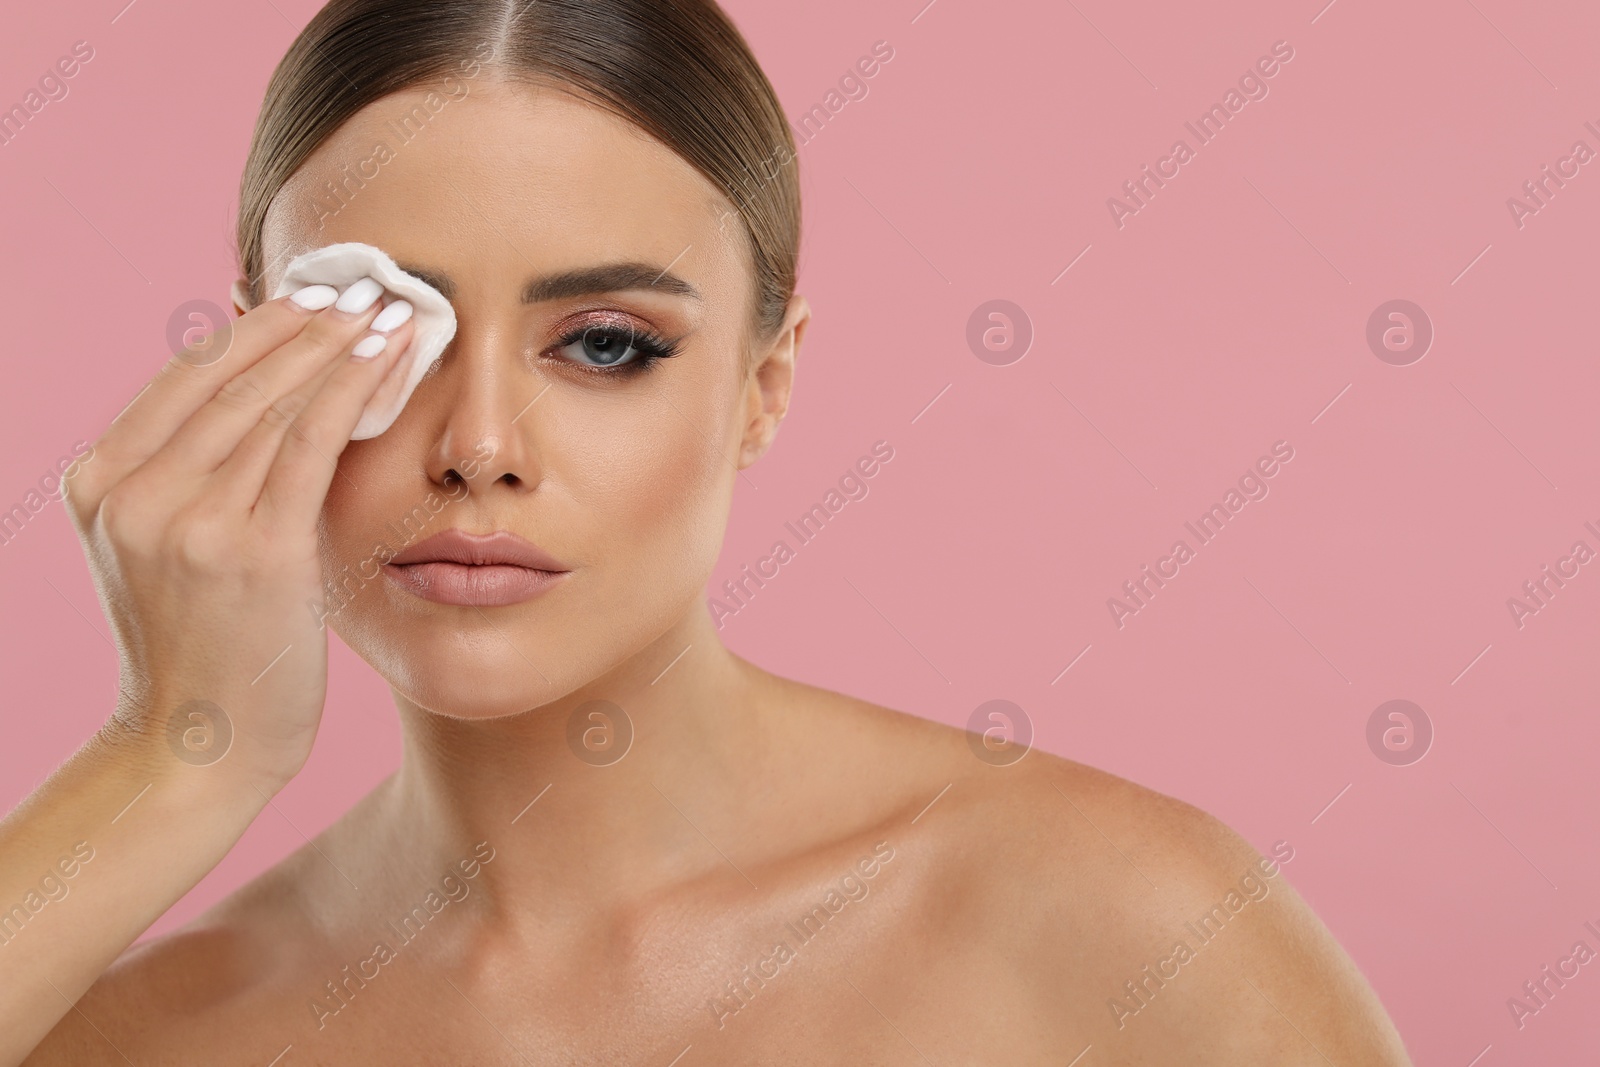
677 69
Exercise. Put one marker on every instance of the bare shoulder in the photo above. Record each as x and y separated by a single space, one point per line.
1209 937
1143 923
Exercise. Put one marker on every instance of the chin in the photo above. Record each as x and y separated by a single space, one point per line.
467 663
481 673
492 689
472 706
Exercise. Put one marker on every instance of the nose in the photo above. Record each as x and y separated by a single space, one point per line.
485 436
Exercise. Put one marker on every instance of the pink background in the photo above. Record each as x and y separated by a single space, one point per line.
1226 315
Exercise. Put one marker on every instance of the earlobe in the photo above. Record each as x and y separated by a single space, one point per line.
241 297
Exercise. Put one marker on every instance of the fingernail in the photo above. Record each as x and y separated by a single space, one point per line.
359 297
369 346
315 297
392 316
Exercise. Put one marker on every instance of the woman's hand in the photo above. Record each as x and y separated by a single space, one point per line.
199 520
199 517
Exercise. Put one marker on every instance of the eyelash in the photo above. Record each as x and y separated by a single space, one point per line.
650 348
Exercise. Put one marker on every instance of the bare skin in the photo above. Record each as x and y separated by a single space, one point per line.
629 911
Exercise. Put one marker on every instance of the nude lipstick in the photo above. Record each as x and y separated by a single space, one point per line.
483 570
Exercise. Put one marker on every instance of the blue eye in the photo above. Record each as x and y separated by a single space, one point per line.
613 349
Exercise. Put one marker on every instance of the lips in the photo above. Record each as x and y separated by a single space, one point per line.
458 567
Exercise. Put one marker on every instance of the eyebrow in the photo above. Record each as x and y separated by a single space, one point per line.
583 281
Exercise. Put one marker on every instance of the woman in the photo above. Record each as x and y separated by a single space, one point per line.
610 840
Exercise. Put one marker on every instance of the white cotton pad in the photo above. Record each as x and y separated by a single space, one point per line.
433 322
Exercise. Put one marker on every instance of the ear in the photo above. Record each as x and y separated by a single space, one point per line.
241 296
770 382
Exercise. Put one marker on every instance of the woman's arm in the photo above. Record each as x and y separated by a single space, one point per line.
96 854
198 518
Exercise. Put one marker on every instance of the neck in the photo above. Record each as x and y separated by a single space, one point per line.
577 814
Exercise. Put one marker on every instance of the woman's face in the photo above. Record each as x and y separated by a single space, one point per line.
624 476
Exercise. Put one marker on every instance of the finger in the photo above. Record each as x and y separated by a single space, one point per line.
242 479
295 482
183 384
212 433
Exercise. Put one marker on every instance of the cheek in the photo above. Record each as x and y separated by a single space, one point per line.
650 475
348 513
